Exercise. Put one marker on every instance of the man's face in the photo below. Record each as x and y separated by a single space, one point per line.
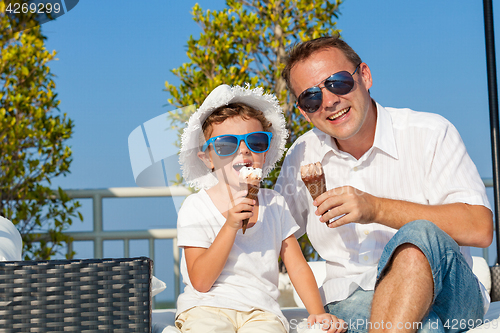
344 117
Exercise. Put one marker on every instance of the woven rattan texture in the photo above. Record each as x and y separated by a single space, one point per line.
106 295
495 283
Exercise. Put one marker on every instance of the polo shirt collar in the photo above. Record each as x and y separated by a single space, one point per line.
384 133
384 137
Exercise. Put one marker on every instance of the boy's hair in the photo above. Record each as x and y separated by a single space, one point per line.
233 110
304 50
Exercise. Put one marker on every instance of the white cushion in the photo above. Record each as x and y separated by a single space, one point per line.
157 286
482 271
11 244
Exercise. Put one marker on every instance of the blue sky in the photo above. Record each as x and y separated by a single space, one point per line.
115 56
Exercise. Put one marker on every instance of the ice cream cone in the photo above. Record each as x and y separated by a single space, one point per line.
313 176
250 181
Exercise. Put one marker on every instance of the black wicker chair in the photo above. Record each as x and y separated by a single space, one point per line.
92 295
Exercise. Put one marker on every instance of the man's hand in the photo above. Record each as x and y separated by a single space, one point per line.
328 322
348 202
468 225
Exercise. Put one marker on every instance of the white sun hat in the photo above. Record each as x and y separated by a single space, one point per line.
194 171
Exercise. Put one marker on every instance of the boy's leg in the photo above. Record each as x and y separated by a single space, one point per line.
456 293
204 319
258 321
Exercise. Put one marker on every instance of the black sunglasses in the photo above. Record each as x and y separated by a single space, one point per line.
227 144
340 83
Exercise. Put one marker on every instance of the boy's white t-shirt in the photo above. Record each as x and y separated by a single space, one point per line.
249 279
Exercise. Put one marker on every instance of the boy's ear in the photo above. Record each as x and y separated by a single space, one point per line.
205 157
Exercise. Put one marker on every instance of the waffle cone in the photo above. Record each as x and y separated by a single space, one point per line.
253 191
316 185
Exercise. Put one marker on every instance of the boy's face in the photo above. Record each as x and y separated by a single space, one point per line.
228 167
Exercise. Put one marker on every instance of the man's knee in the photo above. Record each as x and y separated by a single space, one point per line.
407 258
425 233
422 229
417 243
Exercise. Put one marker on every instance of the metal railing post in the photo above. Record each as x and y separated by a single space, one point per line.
97 214
126 248
175 253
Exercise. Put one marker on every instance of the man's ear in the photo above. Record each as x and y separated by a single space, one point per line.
205 157
366 75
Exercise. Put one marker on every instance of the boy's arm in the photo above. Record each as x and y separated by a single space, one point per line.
301 275
205 265
304 283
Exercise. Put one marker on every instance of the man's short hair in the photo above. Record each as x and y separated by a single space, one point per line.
304 50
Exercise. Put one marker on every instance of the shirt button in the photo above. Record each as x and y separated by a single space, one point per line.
355 168
366 232
365 258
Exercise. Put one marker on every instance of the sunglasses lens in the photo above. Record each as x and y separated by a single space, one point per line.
258 142
340 83
310 100
225 145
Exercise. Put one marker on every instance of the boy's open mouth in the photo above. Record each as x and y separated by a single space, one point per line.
238 166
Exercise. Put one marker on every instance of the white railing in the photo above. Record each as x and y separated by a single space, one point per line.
98 235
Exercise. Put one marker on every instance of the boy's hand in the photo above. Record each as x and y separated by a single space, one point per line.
242 209
328 322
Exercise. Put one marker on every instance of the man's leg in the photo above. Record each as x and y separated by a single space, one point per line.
404 295
455 294
355 310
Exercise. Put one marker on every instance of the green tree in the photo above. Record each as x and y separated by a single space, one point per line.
32 140
246 43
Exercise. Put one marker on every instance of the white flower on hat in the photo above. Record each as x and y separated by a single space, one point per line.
194 171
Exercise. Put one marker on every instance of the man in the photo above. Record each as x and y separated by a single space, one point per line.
388 173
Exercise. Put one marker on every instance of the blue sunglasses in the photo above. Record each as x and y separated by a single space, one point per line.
227 144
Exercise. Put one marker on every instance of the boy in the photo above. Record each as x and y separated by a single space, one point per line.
232 278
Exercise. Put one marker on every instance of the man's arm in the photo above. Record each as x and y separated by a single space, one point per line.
468 225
